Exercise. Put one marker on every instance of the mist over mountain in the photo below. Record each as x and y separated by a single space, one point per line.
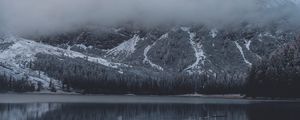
48 16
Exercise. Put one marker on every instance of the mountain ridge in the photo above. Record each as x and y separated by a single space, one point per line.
184 50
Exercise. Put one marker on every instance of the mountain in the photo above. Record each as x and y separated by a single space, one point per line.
278 75
130 52
17 53
148 52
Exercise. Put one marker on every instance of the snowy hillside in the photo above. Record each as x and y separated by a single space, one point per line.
16 57
154 53
134 55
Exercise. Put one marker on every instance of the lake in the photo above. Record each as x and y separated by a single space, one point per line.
114 107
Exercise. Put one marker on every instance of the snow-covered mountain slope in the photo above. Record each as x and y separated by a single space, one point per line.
199 53
126 48
202 50
19 53
150 52
187 49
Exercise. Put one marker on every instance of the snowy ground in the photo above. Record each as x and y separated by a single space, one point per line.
146 50
15 58
242 53
128 47
199 53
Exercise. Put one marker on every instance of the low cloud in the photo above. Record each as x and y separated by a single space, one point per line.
59 15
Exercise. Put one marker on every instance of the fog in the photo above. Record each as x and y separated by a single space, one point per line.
60 15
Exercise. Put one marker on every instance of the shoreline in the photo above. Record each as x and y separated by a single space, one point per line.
7 98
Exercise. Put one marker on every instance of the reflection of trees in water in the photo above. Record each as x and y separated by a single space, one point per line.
25 111
146 112
274 111
55 111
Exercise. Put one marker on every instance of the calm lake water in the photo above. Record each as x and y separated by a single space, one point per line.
151 111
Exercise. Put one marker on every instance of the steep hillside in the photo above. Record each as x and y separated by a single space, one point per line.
136 55
194 49
278 75
17 55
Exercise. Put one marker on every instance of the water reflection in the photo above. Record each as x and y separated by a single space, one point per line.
62 111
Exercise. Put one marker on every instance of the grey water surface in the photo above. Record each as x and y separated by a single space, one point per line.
142 108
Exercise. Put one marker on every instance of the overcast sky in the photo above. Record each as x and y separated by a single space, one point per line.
52 15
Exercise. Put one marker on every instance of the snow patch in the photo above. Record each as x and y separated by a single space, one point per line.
82 46
199 53
247 44
146 59
213 33
7 38
185 29
146 50
268 34
259 57
242 53
117 30
164 36
127 47
23 51
260 37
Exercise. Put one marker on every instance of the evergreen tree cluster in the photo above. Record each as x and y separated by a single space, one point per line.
8 83
278 76
87 77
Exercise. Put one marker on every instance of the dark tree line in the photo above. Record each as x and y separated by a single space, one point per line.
278 76
8 83
87 77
